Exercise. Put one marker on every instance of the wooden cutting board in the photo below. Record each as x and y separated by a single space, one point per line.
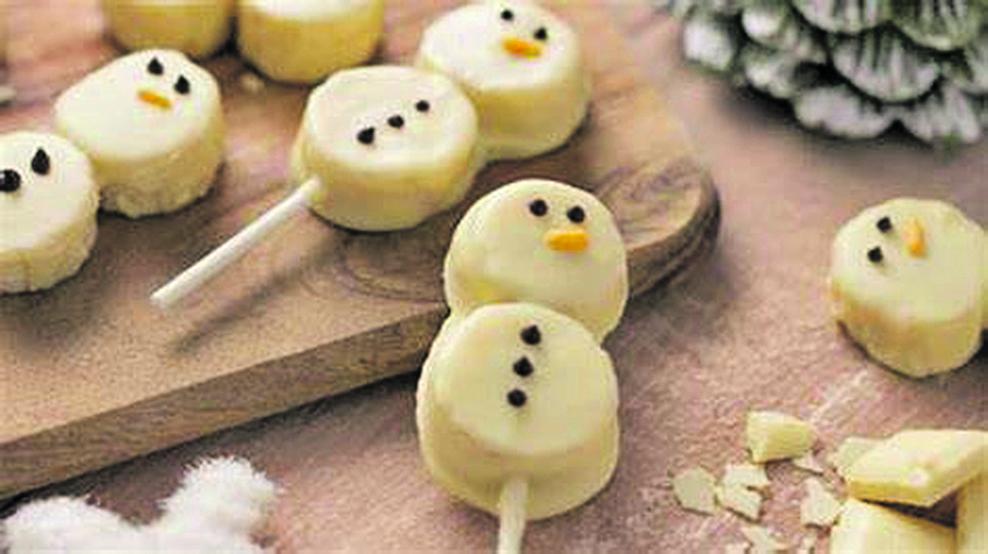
92 374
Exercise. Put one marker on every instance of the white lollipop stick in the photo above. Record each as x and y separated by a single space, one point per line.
233 249
514 496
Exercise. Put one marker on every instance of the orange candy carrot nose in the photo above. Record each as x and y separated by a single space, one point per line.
567 240
915 238
521 48
150 97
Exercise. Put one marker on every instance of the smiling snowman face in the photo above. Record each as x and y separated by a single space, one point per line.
48 204
542 242
907 279
522 67
518 390
391 145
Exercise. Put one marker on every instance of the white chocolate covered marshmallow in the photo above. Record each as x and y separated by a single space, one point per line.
303 41
152 125
542 242
521 66
48 204
196 27
907 280
517 393
390 145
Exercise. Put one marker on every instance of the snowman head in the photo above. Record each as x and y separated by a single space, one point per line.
493 45
45 185
143 105
523 380
543 242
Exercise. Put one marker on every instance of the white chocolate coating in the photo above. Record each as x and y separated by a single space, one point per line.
149 158
918 314
48 225
303 41
501 252
563 440
406 174
530 101
196 27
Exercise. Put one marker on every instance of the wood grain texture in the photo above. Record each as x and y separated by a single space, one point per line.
93 375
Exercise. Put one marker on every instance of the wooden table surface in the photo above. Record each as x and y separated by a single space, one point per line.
748 328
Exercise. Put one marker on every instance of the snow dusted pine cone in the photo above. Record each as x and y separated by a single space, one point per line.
853 68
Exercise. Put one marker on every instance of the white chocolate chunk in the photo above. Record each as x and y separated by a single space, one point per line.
819 507
740 500
777 436
523 242
195 27
391 146
972 516
848 452
303 41
694 490
522 67
867 529
517 391
918 467
763 541
745 475
911 294
48 204
808 462
152 125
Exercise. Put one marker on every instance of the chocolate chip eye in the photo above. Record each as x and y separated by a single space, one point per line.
517 398
422 106
366 136
155 67
576 214
884 224
875 255
182 85
10 180
507 15
41 163
538 207
542 34
531 335
396 121
523 367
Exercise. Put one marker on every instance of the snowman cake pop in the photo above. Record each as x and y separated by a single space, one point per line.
196 27
543 242
907 280
522 67
303 41
48 204
379 148
517 414
152 125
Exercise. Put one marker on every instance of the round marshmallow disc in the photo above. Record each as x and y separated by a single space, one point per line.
391 145
195 27
918 311
502 251
518 391
570 394
48 224
303 41
522 67
152 124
